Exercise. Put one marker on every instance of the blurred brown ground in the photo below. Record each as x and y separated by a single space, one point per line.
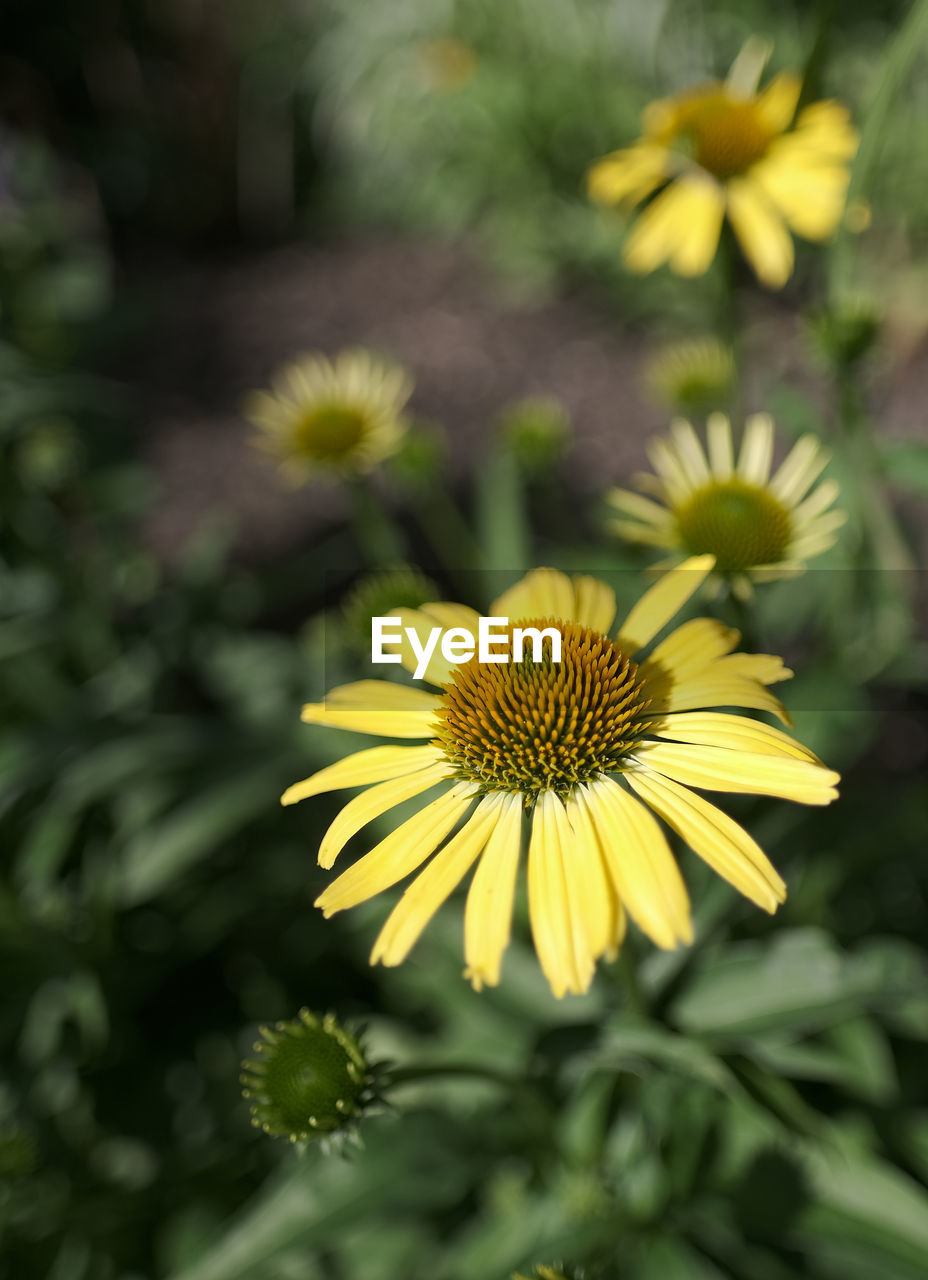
221 328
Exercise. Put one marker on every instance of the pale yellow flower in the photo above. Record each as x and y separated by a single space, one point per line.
727 150
582 754
342 416
757 526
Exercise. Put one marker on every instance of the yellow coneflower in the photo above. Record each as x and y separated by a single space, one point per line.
341 416
586 750
757 527
727 150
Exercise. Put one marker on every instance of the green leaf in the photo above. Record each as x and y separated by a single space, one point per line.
801 981
634 1044
193 832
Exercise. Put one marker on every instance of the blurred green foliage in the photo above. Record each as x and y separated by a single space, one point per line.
762 1114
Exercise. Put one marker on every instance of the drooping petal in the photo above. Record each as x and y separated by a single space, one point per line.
761 232
681 225
400 853
807 190
749 773
603 912
708 687
641 508
378 707
433 885
488 914
816 503
371 803
659 604
717 838
642 867
558 931
376 764
738 733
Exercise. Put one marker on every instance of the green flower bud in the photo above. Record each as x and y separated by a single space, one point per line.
693 377
420 457
844 332
310 1078
377 594
537 430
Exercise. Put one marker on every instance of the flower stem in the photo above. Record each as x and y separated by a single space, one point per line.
634 995
438 1070
382 544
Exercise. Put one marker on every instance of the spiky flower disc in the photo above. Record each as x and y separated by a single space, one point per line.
310 1078
693 376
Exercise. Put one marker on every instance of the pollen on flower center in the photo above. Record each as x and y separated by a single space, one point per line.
740 524
330 432
528 727
727 135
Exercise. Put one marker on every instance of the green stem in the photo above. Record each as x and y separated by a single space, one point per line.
381 542
450 538
628 962
745 622
439 1070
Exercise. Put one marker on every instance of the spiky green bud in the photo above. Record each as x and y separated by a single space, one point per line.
537 430
310 1078
693 377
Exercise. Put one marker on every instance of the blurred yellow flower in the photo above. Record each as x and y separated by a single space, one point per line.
756 527
728 150
449 64
342 416
582 753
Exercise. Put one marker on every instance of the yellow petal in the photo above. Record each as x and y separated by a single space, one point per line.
766 668
756 449
543 593
761 232
691 646
488 914
738 733
719 841
816 503
642 867
777 103
376 764
804 462
709 688
666 462
627 176
808 191
681 225
432 886
718 431
659 604
423 621
749 773
370 804
594 603
557 925
644 509
602 910
400 853
690 452
378 707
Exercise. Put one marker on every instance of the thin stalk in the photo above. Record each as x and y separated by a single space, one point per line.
381 542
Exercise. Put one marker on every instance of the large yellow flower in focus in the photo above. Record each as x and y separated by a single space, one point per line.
582 753
727 150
